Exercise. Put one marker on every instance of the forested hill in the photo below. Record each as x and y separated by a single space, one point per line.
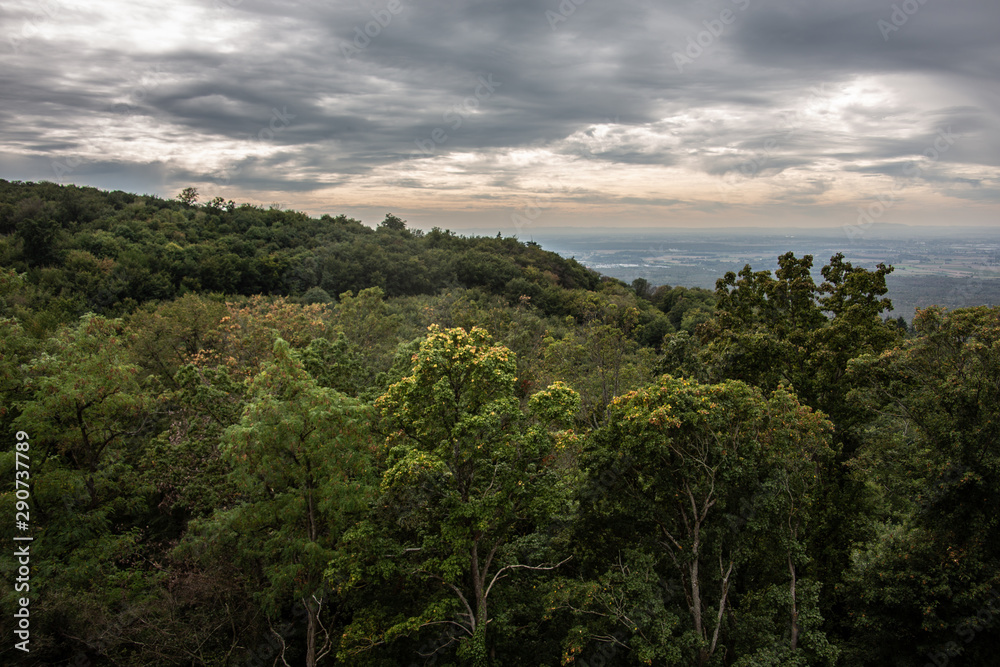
241 436
108 251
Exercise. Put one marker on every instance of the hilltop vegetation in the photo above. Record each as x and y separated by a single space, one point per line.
258 437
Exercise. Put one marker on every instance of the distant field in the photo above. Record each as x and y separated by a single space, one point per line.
907 292
953 270
911 292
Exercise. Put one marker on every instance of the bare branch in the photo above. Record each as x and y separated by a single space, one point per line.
722 601
281 656
453 587
327 646
523 567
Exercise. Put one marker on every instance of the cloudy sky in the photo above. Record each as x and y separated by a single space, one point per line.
518 114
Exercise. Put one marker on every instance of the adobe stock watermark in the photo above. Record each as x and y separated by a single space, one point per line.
138 90
456 116
105 641
61 168
279 121
30 28
528 207
977 289
566 9
867 216
899 17
227 4
749 168
452 634
753 166
611 643
363 35
967 632
714 29
529 210
270 650
22 542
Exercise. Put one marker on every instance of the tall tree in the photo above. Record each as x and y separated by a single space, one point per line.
601 358
931 455
468 480
686 466
86 414
188 196
300 458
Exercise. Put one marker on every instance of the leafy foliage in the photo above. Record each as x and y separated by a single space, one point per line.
259 437
467 483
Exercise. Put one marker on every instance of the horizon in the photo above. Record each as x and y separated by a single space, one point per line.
850 234
519 116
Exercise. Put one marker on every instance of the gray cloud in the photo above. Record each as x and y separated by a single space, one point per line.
497 97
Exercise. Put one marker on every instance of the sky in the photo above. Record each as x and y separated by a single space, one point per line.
518 115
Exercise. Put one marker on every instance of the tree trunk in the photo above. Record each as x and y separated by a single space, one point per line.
480 656
795 609
699 627
311 636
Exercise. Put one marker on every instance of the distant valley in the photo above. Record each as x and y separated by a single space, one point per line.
956 269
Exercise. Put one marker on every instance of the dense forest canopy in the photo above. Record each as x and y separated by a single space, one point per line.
258 437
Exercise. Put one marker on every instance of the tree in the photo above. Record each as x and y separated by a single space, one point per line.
393 223
642 288
371 330
300 458
468 479
852 297
86 398
761 335
170 336
16 351
218 203
245 337
692 475
85 412
772 330
932 459
38 239
600 357
188 196
786 330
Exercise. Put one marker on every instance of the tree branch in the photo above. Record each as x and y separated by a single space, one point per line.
524 567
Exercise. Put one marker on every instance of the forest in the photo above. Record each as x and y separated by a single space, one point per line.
239 435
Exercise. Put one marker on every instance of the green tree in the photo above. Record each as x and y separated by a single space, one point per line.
188 196
16 351
714 484
600 357
468 479
763 323
393 223
38 238
785 330
86 414
300 461
370 329
931 457
852 296
85 399
772 330
173 334
642 288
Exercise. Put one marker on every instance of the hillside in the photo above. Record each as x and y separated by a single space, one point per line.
249 436
109 251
